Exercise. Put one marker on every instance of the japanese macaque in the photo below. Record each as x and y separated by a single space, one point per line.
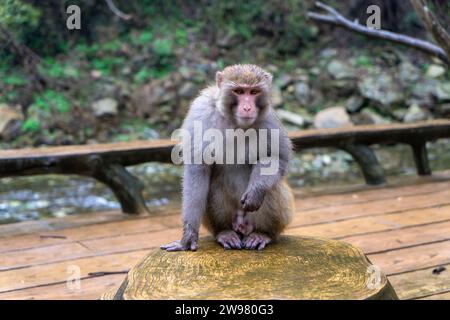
240 205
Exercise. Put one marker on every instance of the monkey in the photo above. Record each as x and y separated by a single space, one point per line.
237 203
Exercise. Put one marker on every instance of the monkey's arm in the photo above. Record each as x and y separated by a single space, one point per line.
264 176
195 192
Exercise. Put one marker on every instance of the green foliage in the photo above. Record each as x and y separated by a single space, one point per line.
143 75
30 125
51 100
14 79
162 47
364 61
17 16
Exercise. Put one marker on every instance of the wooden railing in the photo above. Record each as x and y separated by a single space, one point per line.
107 162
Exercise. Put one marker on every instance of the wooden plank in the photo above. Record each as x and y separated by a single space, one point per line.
440 296
80 219
11 243
40 255
60 271
417 284
83 150
410 259
132 225
370 134
364 193
129 235
370 208
400 238
305 138
90 289
359 226
334 230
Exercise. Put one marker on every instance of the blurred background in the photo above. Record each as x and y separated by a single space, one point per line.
127 79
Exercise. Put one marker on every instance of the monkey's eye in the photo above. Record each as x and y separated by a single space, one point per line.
238 91
254 91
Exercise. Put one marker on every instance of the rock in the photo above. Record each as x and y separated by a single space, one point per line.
425 90
277 97
291 117
408 72
284 80
96 74
327 53
302 92
8 117
443 92
334 117
340 70
354 104
415 113
147 98
444 110
435 71
187 90
382 88
103 107
368 117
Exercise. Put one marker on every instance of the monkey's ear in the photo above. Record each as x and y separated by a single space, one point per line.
219 78
269 78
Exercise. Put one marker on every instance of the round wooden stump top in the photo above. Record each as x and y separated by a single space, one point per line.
291 268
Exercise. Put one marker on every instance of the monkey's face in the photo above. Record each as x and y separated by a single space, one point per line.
246 107
244 93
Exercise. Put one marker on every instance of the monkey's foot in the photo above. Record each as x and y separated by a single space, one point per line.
179 246
229 240
255 241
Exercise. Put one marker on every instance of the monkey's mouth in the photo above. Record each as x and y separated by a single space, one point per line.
247 118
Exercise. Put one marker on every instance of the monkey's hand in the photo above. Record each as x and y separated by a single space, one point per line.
252 200
187 242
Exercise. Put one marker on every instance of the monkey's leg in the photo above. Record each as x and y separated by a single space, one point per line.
256 240
229 239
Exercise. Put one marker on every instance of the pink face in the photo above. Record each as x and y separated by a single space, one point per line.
246 111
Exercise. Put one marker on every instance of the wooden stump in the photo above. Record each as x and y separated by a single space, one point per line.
291 268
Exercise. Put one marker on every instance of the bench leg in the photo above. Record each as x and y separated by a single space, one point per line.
126 187
421 158
367 161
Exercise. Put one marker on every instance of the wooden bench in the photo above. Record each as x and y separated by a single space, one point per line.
107 162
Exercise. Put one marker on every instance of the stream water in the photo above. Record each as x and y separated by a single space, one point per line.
39 197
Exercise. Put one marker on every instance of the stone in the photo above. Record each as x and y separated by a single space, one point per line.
334 117
381 88
354 104
105 107
408 72
339 70
435 71
302 92
444 110
291 117
284 80
443 92
187 90
416 113
368 117
8 116
277 97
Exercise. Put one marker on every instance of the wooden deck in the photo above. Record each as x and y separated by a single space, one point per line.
404 228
